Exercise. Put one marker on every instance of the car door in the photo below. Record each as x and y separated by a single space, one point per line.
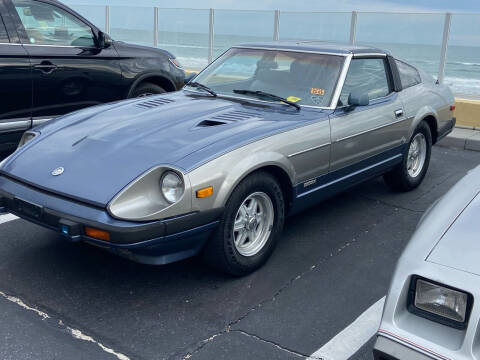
15 86
70 71
367 136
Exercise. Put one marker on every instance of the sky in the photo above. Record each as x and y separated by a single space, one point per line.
302 5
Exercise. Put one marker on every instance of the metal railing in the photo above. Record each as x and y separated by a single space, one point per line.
352 28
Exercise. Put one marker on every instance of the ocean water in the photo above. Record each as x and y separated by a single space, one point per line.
462 72
415 38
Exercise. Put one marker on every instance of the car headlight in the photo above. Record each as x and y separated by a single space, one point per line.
27 136
172 187
440 303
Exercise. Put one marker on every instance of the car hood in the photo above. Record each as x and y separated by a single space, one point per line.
103 149
459 247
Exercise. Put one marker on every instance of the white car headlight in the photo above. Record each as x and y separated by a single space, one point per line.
446 305
172 187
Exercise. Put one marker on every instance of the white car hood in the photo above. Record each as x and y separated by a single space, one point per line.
459 247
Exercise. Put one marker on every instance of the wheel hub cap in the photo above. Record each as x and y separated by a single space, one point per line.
253 224
417 153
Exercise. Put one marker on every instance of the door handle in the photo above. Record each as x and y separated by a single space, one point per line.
399 113
46 67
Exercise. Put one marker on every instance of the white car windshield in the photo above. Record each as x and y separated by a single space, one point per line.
299 77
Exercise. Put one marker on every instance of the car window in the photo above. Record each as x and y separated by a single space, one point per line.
304 78
409 76
47 24
3 32
366 76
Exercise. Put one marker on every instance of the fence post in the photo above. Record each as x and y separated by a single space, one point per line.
353 28
210 35
443 54
107 19
155 26
276 25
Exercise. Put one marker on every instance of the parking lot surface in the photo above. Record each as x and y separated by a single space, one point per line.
333 262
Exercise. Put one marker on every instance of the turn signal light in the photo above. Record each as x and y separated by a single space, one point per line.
97 234
452 108
205 192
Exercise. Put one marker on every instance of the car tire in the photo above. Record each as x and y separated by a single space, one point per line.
147 89
245 238
410 172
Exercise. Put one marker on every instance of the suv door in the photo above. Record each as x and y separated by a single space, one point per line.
15 86
370 135
70 71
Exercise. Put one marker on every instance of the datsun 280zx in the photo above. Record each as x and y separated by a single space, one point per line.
263 132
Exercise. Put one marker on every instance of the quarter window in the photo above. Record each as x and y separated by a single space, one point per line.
47 24
3 32
409 76
366 76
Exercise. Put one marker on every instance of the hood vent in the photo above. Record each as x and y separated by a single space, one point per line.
234 116
207 123
154 103
227 118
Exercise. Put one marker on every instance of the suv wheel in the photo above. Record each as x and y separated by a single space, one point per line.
147 89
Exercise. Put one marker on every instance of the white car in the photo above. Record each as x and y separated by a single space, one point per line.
432 309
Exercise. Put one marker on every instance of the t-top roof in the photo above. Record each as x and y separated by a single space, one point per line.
315 46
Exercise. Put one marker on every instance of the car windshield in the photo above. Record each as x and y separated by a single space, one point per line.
302 78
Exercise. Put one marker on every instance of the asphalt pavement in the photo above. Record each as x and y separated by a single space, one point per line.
333 262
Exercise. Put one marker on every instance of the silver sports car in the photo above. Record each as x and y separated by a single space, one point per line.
263 132
432 311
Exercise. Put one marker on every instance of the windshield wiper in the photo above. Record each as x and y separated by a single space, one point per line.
202 87
266 95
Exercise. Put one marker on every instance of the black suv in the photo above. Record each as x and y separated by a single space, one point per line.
54 61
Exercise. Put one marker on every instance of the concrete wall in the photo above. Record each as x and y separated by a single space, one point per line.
467 113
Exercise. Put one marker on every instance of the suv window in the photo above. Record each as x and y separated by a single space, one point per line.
3 32
368 76
409 76
47 24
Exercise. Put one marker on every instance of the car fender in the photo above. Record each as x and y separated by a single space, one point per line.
236 166
422 113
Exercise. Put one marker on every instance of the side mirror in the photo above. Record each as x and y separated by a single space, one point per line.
104 40
189 77
358 98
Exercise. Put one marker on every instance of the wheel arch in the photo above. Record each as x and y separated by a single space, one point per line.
428 115
279 173
159 79
432 124
234 169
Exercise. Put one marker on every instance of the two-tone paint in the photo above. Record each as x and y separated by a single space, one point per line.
114 154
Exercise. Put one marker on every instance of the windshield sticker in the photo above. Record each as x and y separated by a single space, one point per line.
317 91
317 99
293 99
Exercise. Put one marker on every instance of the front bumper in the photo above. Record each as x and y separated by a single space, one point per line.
153 242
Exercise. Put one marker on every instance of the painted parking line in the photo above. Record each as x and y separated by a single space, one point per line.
6 218
77 334
353 337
